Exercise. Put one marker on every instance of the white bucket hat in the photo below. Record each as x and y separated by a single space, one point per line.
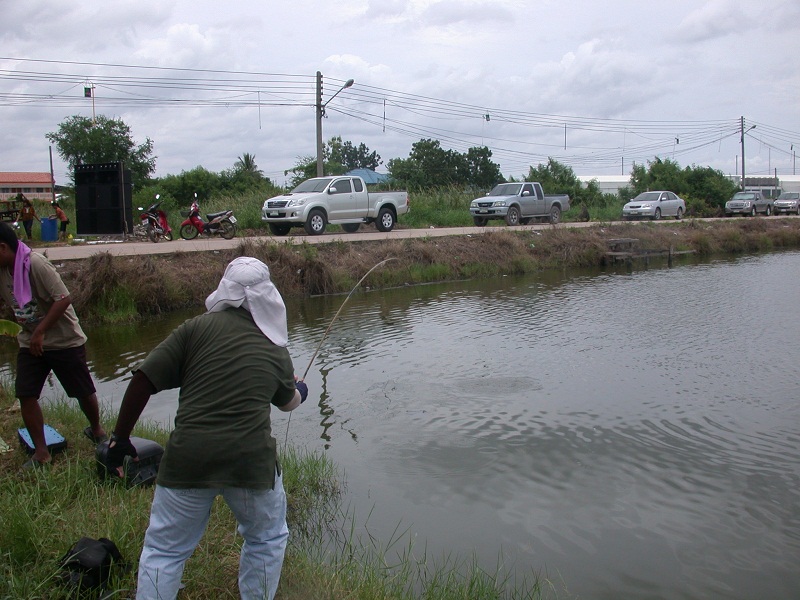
246 283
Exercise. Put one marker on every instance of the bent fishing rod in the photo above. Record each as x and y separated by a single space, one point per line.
327 331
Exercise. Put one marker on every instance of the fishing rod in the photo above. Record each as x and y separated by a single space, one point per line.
336 316
327 331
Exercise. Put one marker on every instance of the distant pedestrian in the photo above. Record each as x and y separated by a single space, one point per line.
27 214
62 217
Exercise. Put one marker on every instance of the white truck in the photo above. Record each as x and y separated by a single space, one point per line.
339 200
518 204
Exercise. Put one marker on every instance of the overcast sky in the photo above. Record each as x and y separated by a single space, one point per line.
596 85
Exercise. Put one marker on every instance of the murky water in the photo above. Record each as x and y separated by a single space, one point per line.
629 435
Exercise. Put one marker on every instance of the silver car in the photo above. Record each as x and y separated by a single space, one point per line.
748 203
654 205
787 202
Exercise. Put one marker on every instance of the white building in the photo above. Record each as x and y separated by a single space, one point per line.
611 184
608 184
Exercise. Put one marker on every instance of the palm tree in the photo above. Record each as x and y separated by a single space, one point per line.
246 163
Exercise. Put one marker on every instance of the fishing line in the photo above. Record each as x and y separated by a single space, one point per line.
327 331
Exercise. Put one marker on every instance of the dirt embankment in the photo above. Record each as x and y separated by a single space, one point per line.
129 286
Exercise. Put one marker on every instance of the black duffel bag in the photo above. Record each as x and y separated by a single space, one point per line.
87 565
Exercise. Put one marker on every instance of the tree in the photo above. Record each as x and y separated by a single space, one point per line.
246 164
351 157
337 158
483 173
79 140
429 166
557 178
660 175
700 184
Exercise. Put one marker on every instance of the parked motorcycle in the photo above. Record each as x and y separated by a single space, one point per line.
220 223
154 224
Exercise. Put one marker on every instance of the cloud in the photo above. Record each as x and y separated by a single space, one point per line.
456 12
712 20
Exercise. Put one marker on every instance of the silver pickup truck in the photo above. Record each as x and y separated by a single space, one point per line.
341 200
518 204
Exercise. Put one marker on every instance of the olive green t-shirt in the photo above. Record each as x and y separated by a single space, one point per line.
229 374
46 289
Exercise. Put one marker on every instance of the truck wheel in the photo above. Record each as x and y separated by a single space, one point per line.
555 215
385 220
279 228
769 210
315 225
480 221
512 216
753 212
350 227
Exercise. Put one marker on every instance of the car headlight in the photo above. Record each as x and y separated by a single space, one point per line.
645 206
500 203
473 205
296 202
747 204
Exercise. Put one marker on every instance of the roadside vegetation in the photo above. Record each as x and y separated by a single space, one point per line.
108 288
42 513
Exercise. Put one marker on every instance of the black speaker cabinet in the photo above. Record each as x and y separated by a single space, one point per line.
103 199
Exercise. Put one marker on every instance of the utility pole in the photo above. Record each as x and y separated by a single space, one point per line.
741 128
319 124
321 113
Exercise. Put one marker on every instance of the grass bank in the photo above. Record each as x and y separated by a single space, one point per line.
42 513
107 288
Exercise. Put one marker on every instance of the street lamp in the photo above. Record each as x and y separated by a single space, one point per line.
743 132
321 113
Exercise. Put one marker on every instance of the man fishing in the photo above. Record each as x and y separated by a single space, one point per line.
231 364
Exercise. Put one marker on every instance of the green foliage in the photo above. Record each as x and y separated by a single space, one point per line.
430 166
338 158
702 183
440 207
80 140
557 178
699 207
347 157
242 189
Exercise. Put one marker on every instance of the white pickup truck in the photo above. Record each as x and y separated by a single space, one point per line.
341 200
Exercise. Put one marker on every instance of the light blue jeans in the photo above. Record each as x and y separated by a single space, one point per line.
178 519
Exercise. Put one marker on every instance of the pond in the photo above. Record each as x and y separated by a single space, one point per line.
626 434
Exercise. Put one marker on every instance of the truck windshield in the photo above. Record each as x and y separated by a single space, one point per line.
789 196
743 196
506 189
312 185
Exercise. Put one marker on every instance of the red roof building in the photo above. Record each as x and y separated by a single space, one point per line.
35 186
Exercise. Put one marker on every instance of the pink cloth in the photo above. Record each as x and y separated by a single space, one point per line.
22 280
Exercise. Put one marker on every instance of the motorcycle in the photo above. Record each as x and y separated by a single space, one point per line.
154 224
220 223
